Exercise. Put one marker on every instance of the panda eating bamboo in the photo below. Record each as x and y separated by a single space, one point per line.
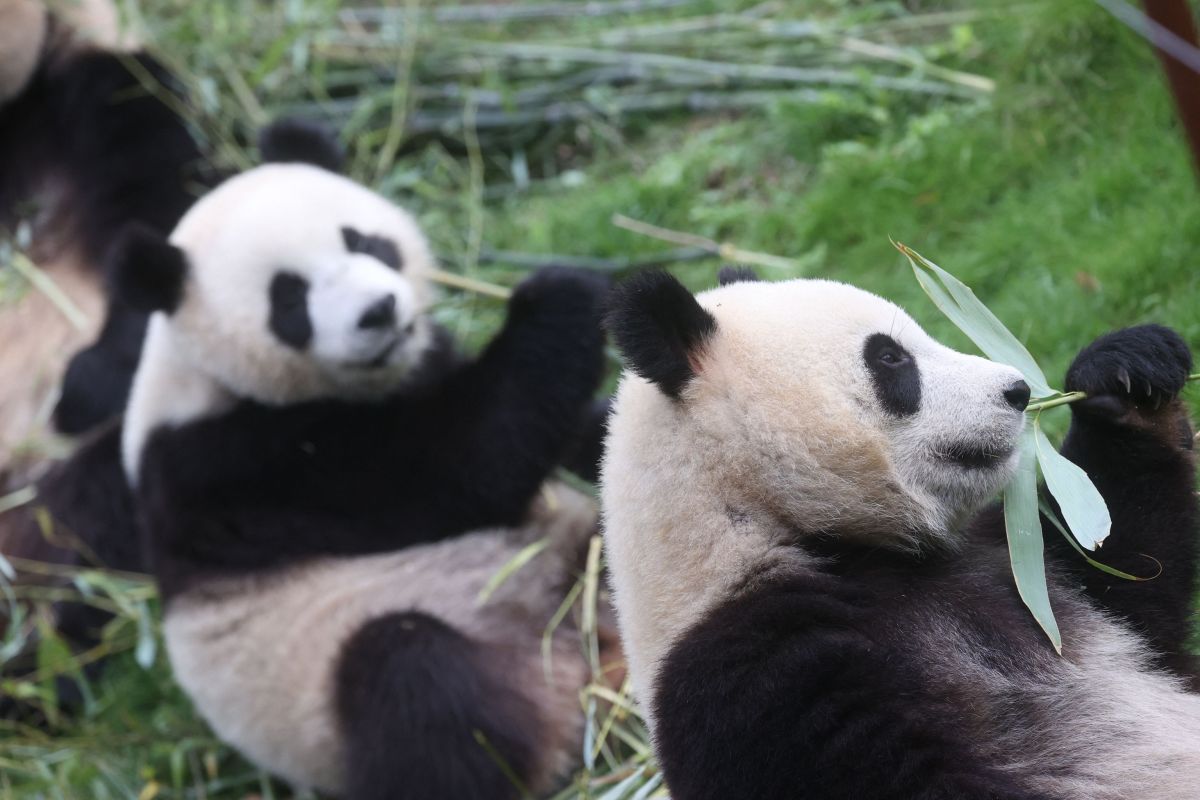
326 488
813 597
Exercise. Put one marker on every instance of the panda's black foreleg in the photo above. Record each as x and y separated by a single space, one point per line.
586 452
784 692
517 411
1133 437
427 713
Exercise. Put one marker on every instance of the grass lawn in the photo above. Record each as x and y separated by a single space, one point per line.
1065 198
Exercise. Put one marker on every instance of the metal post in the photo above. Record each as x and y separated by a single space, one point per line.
1176 16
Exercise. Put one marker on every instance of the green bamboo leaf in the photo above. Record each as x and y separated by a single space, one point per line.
523 557
1024 528
1083 509
147 645
956 300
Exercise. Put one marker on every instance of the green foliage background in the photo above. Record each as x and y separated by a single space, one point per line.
1065 198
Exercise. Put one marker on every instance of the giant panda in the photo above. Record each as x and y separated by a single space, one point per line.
813 603
90 141
326 489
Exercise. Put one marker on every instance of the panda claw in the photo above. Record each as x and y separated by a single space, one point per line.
1123 377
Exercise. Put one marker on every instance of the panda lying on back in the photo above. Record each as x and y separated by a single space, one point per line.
811 604
326 487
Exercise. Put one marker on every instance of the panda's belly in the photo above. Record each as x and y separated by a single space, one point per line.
258 655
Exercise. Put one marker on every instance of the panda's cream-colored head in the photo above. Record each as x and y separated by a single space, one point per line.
285 284
23 25
28 36
758 414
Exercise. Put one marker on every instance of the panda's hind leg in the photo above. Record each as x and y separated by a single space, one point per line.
427 712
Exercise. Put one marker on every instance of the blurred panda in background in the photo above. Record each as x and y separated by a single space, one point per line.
90 140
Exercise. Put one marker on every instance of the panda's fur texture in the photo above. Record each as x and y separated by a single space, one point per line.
811 599
326 488
89 143
90 140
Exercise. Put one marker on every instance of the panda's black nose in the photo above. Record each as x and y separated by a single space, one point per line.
380 314
1017 395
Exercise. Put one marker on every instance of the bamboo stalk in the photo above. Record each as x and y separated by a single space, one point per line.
724 250
46 285
469 284
723 69
1073 397
515 12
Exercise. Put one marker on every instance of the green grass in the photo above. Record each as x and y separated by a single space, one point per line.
1066 200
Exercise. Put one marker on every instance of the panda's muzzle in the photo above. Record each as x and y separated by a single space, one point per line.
970 455
380 359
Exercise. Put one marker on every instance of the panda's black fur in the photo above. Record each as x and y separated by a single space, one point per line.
94 135
465 446
843 680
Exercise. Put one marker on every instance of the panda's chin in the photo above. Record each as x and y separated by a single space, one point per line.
364 381
381 360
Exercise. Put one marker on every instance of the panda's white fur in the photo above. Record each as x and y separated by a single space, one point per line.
275 703
782 425
213 349
22 35
777 434
26 32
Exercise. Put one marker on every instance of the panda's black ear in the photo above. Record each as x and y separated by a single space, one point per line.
293 140
728 275
146 270
660 328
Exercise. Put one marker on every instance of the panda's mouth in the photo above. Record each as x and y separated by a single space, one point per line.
379 360
973 455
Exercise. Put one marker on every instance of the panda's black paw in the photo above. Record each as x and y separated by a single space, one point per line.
1135 369
560 296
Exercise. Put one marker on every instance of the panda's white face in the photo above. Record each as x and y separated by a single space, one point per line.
830 409
301 284
287 283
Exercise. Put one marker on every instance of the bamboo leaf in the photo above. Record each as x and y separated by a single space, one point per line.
1083 508
147 645
1024 528
956 300
523 557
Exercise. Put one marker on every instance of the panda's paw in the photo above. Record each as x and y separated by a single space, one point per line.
560 296
1134 371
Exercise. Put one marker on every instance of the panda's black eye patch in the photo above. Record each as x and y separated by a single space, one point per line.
894 374
378 247
289 310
